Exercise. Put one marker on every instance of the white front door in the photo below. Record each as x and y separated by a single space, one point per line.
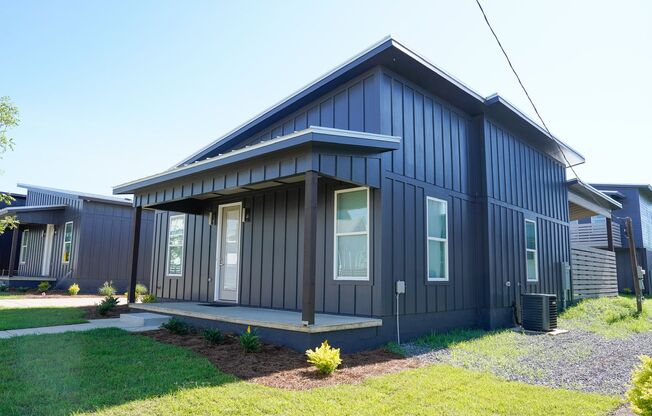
228 252
47 250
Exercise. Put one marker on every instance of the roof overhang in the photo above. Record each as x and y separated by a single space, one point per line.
391 54
312 136
642 187
84 196
586 201
503 111
37 214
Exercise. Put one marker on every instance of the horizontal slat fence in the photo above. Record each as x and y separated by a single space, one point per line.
594 272
594 234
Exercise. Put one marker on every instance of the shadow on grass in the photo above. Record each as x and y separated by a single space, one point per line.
76 372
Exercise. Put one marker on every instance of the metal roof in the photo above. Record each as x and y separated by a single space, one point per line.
80 195
591 193
392 54
313 134
647 188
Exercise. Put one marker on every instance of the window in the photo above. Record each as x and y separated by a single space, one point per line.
437 253
352 234
531 251
67 242
24 243
176 232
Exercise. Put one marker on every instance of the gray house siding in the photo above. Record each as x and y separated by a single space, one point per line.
34 264
270 255
106 243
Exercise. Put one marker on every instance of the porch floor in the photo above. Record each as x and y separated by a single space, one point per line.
259 317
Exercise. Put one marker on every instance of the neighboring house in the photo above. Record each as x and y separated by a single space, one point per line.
636 203
303 220
7 236
70 237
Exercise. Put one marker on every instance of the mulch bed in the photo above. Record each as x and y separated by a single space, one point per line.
282 367
91 312
33 293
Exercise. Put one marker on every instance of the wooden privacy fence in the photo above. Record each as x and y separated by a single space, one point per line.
594 272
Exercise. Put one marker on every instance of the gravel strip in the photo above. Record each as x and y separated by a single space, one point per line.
576 360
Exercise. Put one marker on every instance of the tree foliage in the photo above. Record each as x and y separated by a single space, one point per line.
8 119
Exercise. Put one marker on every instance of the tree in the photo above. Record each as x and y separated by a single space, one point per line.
8 119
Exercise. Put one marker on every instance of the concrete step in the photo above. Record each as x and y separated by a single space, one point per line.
144 319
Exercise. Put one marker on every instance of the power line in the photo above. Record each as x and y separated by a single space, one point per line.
486 19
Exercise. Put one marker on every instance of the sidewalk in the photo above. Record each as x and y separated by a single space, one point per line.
92 324
54 302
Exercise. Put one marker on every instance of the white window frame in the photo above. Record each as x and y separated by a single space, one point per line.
24 246
444 240
336 234
63 247
183 244
535 251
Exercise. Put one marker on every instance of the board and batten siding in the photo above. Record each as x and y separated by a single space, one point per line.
271 255
522 183
106 244
72 212
351 106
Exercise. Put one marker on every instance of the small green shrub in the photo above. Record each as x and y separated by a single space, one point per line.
107 304
107 289
250 341
627 291
141 290
43 287
148 298
640 395
213 336
177 326
4 288
22 289
73 289
325 358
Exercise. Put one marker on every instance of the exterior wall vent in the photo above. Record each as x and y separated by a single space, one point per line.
539 312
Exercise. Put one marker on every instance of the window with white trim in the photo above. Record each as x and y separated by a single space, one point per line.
437 233
176 235
67 242
351 234
24 244
531 256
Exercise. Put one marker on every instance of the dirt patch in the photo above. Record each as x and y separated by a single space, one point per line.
91 312
282 367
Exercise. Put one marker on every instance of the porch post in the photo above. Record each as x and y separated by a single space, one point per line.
309 248
12 253
138 212
610 235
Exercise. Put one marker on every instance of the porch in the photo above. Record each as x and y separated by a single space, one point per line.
260 317
307 161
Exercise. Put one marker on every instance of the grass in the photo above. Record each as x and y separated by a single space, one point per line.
37 317
111 372
609 317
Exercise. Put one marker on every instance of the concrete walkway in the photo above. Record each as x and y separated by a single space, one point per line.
149 323
53 302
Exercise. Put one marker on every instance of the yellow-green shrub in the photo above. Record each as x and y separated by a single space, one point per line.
325 358
640 395
73 289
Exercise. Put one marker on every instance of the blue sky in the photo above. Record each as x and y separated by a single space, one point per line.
110 91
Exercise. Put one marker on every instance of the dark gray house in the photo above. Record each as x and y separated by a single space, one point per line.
385 170
70 237
636 201
7 237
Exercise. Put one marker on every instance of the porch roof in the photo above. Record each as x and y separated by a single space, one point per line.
586 201
36 214
346 155
260 317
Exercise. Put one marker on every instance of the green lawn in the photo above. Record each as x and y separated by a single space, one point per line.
115 373
36 317
610 317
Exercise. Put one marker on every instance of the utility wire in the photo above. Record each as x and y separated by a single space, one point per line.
486 19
